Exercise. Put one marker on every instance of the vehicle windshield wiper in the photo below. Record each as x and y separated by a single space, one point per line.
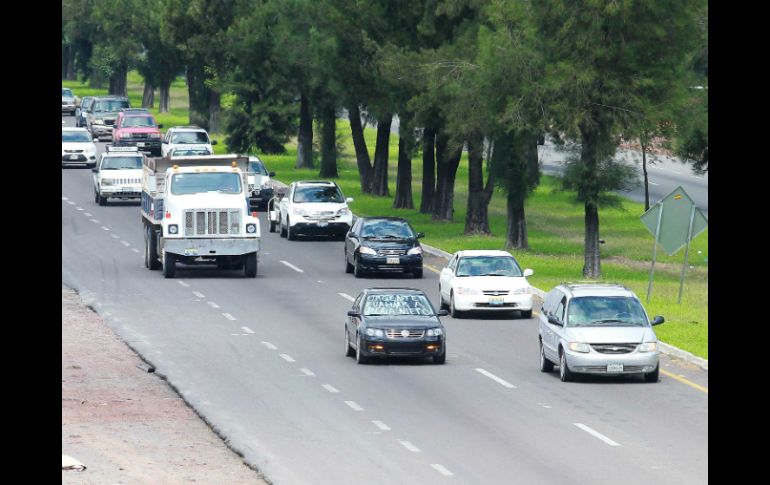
376 315
492 274
608 320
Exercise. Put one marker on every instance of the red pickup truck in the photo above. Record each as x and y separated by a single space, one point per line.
139 130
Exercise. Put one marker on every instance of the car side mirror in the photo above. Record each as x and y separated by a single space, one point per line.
658 320
555 320
160 125
442 313
352 234
353 313
420 235
96 140
349 200
213 142
271 174
528 272
94 170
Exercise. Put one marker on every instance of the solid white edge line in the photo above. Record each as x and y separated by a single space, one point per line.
596 434
287 358
346 296
269 345
409 446
500 381
441 469
381 425
354 406
298 270
329 388
247 330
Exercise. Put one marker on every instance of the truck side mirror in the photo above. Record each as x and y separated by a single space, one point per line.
160 125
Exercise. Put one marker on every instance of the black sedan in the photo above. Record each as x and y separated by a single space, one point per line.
386 322
383 244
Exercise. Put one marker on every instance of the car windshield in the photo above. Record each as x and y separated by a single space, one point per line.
75 137
608 311
188 152
139 122
121 163
257 167
391 304
196 183
488 266
107 105
318 194
386 229
190 137
86 103
67 93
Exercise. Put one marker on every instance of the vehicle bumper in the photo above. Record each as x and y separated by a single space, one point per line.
596 363
321 229
406 263
81 159
118 192
101 130
385 347
482 302
260 197
144 145
68 108
207 247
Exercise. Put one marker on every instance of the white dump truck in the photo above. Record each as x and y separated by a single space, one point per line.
195 210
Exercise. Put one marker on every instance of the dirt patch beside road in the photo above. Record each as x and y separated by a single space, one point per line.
126 425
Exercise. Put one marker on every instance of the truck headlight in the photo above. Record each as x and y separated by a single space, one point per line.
108 182
173 229
298 212
579 347
366 250
648 347
415 250
251 228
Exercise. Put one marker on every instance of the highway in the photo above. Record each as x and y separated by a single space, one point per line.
262 361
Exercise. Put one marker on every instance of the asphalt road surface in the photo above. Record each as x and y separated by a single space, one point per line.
262 361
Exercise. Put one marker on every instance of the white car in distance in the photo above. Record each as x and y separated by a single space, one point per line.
485 280
118 175
77 147
314 208
186 137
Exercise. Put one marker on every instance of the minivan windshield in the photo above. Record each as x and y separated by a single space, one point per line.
318 194
605 311
196 183
488 266
384 304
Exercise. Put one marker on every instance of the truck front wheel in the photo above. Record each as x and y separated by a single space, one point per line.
250 266
150 249
169 264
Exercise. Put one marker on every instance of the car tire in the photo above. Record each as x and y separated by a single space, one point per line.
281 227
151 253
360 359
96 197
455 313
169 264
357 271
250 265
273 224
417 273
565 374
526 313
290 235
545 364
348 266
653 376
349 351
102 200
441 358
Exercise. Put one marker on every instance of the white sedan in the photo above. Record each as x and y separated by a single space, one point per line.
485 280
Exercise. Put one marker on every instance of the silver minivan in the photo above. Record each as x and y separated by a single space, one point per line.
597 328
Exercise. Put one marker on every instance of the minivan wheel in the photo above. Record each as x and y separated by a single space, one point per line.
545 364
653 376
565 374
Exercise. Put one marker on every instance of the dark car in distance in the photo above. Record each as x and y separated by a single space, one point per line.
383 244
390 322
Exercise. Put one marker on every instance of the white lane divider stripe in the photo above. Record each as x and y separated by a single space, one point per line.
95 221
213 305
269 345
409 446
64 198
292 266
198 294
354 406
307 372
229 317
115 236
88 214
125 243
329 388
287 358
247 330
596 434
346 296
134 250
500 381
381 425
70 202
183 283
79 208
105 228
441 469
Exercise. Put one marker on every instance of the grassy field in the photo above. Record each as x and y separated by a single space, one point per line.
554 220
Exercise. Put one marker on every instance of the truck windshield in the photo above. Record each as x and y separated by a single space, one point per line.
109 105
138 122
196 183
121 163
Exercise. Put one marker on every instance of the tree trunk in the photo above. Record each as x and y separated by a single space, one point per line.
447 161
164 93
592 267
199 94
646 181
406 142
118 82
66 53
428 170
477 216
516 235
589 193
380 175
362 152
148 97
215 111
328 142
305 135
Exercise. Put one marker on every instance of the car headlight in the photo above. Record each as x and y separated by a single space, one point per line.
648 347
298 212
521 291
343 212
266 185
434 332
251 228
173 229
579 347
108 182
415 250
98 121
153 135
366 250
467 291
375 332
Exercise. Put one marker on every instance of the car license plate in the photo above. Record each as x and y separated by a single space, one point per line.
323 224
191 252
140 144
73 157
614 368
392 260
495 300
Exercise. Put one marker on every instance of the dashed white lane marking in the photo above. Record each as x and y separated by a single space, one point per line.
95 221
115 236
105 228
287 358
354 406
320 281
183 283
269 345
64 198
346 296
247 330
125 243
198 294
134 250
500 381
596 434
79 208
229 317
212 304
70 202
292 266
441 469
329 388
307 372
88 214
381 425
409 446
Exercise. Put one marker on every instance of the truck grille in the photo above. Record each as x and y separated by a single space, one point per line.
126 181
413 333
208 222
73 151
614 348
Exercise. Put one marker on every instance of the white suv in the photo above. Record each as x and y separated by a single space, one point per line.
118 175
188 137
314 208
